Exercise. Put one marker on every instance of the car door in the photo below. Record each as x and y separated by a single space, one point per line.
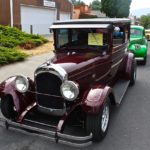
103 67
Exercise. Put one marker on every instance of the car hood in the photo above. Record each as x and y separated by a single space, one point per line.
136 40
74 62
74 65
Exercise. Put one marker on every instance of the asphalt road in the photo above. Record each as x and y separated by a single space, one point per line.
129 126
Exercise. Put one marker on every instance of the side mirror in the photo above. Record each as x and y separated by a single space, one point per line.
51 30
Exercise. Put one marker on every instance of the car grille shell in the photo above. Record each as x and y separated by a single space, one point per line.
48 90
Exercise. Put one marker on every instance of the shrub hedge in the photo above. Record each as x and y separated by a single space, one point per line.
9 55
10 38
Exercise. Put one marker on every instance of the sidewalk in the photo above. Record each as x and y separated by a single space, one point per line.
26 68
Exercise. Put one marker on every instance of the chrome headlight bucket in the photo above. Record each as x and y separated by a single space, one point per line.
21 84
69 90
137 46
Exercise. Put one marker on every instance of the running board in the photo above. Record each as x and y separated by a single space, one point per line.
120 89
70 140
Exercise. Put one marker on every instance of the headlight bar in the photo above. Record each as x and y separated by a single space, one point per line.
69 90
21 83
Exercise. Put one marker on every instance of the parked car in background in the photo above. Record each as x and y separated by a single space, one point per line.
138 43
147 33
91 71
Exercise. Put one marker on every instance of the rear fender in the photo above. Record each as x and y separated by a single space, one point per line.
125 68
128 65
94 99
21 101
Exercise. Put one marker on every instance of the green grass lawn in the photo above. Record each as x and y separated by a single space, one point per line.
11 38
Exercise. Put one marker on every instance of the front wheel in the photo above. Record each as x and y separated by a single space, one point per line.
98 124
144 61
8 108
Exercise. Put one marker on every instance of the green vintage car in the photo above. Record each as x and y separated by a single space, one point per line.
138 43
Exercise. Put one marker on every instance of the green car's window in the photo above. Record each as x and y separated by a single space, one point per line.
136 33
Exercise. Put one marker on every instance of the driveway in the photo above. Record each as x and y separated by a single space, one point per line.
26 68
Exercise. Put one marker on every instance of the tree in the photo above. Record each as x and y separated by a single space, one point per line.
77 2
116 8
145 21
95 5
73 1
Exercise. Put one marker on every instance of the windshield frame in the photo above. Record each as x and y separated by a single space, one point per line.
80 49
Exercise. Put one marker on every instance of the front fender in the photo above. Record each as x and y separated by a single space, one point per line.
142 52
94 99
21 101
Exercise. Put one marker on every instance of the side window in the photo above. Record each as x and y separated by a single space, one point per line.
62 37
118 36
74 35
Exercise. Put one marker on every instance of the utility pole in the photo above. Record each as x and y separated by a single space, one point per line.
11 14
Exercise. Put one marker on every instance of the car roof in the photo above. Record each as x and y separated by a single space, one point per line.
95 21
73 26
90 23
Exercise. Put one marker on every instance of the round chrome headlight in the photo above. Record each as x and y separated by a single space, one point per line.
137 46
21 84
70 90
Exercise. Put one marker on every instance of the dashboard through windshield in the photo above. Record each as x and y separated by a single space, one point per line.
80 39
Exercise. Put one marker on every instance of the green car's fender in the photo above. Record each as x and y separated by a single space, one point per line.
138 50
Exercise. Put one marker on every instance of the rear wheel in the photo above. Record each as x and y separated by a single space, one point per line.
98 124
8 108
133 73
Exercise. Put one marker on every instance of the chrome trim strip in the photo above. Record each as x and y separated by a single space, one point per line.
113 59
45 94
88 69
103 76
84 71
43 124
54 69
118 50
51 111
117 63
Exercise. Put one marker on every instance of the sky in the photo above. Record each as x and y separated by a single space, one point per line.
136 4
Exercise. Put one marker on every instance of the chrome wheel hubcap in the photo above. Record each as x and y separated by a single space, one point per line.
105 118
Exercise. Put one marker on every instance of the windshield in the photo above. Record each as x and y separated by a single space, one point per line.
136 33
80 39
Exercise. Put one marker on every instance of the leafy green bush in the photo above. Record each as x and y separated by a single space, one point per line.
8 42
8 55
12 37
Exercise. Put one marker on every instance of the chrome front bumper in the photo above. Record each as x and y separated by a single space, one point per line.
75 141
139 58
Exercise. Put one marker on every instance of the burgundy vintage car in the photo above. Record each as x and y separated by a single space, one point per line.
90 71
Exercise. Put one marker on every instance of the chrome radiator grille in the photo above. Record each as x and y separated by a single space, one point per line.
48 89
